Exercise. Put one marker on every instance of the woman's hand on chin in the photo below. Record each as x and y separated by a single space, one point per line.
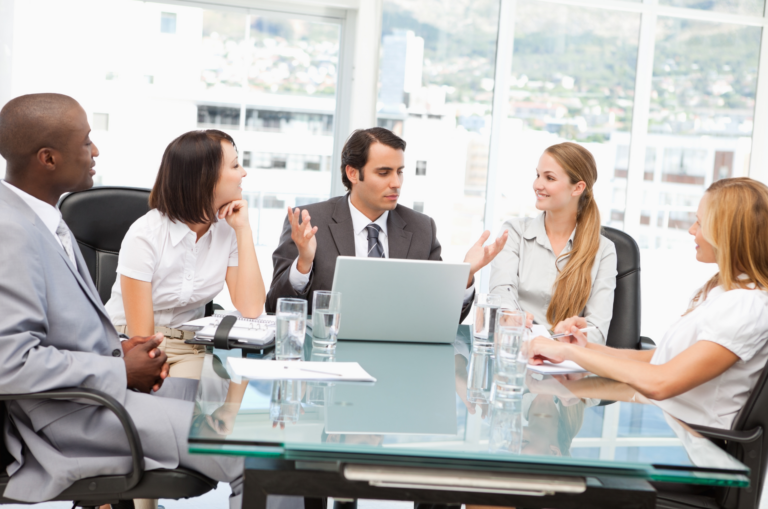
235 213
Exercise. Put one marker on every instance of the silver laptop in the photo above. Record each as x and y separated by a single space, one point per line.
399 300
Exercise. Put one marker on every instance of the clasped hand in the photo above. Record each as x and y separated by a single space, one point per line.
146 365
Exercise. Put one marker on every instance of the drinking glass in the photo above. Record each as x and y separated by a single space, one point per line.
320 392
285 402
291 327
326 315
508 338
506 433
486 308
479 377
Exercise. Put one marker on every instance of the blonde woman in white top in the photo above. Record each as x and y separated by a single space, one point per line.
178 256
711 357
558 264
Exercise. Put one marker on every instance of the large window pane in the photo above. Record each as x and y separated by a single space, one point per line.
157 71
700 127
573 79
435 89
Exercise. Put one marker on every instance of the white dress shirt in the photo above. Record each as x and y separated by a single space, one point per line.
48 214
300 281
524 273
736 320
185 274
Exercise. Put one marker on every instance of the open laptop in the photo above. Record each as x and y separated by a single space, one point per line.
386 299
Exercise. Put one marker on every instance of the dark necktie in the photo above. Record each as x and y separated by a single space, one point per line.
375 250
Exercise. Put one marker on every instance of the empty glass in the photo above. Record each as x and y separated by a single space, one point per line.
291 328
486 308
326 315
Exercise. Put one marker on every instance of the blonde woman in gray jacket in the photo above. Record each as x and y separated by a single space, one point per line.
558 265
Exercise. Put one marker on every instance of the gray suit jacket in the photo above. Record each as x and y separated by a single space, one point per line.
55 333
411 235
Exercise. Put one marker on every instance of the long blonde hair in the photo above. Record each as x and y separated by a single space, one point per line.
735 223
574 283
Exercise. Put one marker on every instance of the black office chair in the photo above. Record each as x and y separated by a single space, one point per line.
746 442
99 218
93 492
624 331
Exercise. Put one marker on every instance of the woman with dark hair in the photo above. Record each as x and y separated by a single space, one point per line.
176 258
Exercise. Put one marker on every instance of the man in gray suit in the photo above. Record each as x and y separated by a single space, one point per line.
367 222
55 333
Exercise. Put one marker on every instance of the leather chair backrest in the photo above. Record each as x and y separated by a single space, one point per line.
625 324
99 218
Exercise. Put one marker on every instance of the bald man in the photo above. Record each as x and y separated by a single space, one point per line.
55 333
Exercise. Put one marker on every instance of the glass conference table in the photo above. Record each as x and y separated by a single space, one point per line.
439 426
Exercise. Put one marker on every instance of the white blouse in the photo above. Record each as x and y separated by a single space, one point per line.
736 320
185 274
524 272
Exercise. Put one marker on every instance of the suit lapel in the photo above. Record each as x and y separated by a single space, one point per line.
399 239
341 229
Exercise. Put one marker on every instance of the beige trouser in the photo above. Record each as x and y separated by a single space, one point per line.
185 361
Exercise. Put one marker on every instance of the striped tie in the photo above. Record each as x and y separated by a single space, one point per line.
374 246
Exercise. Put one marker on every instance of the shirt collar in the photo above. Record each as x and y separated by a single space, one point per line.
179 230
360 221
536 230
48 214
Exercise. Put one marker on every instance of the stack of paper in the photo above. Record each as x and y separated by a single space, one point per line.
550 368
257 369
253 331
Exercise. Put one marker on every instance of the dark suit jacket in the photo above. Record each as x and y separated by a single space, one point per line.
411 235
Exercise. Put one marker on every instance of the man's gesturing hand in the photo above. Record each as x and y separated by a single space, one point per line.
145 366
303 235
479 256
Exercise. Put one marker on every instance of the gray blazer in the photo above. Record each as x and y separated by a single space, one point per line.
55 333
411 235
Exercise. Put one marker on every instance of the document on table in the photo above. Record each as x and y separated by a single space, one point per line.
256 369
550 368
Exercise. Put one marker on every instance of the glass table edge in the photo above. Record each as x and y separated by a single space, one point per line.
647 472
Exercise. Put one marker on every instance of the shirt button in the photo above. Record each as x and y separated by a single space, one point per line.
116 353
183 303
189 275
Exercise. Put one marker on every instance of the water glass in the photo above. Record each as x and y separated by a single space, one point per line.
285 402
326 315
506 433
479 377
291 327
486 307
509 333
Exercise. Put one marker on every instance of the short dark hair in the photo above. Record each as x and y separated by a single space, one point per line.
355 151
188 174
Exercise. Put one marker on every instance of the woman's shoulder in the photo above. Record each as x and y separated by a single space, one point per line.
518 224
606 245
149 224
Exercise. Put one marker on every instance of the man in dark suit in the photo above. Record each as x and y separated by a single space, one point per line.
367 222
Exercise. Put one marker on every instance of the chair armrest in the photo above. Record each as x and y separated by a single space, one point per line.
741 437
134 441
646 343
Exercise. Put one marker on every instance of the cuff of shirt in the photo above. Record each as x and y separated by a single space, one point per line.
298 280
468 294
134 274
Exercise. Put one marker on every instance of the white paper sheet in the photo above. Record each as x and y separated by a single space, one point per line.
564 368
256 369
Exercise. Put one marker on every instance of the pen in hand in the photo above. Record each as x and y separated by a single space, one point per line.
563 334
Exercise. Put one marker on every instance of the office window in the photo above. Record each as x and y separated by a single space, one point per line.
168 22
212 117
418 206
110 76
100 122
149 79
572 79
247 159
436 71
